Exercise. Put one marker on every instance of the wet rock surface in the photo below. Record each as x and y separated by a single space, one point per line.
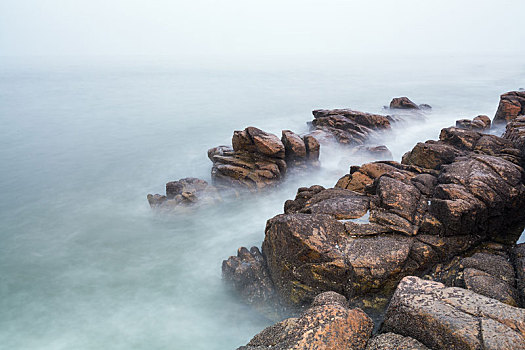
386 220
511 105
443 317
479 123
259 160
328 324
403 103
487 270
347 126
185 192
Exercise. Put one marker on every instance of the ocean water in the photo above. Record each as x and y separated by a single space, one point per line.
86 264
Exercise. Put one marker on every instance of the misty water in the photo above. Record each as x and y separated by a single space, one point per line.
86 264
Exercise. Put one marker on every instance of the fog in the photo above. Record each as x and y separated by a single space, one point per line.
250 29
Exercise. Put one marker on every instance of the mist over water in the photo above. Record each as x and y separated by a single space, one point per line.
86 264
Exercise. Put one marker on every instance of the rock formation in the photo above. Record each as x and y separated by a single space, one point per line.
479 123
184 192
403 103
328 324
347 126
386 220
511 105
259 160
453 318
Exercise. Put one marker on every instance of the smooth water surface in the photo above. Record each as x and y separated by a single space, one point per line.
86 264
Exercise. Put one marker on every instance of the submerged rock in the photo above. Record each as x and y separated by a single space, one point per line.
479 123
453 318
185 192
328 325
511 105
348 126
403 103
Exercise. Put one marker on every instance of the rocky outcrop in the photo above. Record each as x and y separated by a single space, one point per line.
184 192
518 259
386 220
479 123
327 325
453 318
511 105
487 271
347 126
259 159
403 103
247 273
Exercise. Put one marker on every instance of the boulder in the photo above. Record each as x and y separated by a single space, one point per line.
348 126
260 160
184 192
443 317
248 274
511 105
403 103
293 144
327 325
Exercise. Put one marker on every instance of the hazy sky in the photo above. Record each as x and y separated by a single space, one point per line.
259 27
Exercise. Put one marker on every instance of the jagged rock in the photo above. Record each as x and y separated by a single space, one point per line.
258 159
327 325
453 318
248 274
425 106
403 103
380 152
479 123
312 148
156 200
294 145
348 126
511 105
392 341
187 191
487 272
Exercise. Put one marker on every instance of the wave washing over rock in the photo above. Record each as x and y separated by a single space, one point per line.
426 246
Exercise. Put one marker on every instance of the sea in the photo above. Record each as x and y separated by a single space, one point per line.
85 263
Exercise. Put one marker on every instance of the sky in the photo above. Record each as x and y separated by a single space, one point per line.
254 28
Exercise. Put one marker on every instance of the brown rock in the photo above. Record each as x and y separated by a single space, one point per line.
511 105
293 144
453 318
312 147
327 325
403 103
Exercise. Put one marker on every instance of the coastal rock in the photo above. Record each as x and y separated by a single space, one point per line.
511 105
312 148
479 123
349 126
184 192
248 274
518 258
487 272
258 159
294 145
453 318
327 325
380 152
392 341
403 103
